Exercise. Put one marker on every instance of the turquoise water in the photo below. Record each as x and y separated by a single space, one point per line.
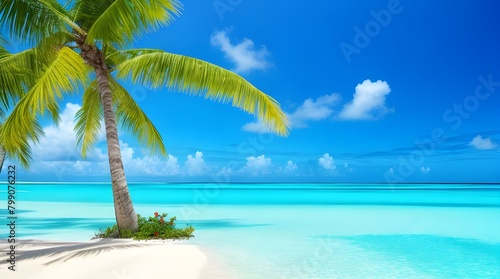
297 230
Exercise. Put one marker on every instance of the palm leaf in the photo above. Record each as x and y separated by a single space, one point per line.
89 118
64 74
115 57
18 71
118 21
129 116
11 76
17 133
33 20
132 118
159 69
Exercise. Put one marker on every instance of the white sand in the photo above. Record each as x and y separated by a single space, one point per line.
105 259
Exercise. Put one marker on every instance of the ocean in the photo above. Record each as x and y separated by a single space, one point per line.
294 230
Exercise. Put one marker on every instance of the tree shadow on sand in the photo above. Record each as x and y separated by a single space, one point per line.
64 251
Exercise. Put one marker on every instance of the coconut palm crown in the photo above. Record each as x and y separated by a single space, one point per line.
81 46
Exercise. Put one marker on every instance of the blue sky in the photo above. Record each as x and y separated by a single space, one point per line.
379 91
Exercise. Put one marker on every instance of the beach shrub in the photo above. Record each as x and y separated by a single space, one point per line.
156 227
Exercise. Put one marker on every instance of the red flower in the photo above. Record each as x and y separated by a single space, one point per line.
156 214
161 220
156 233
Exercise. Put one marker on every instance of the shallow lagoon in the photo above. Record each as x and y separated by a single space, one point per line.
298 230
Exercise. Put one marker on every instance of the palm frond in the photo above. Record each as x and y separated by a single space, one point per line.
159 69
19 71
15 74
63 75
33 20
132 118
89 118
17 133
119 21
114 56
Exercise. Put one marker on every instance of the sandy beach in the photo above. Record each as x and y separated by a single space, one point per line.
106 259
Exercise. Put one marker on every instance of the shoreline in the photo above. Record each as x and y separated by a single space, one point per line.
108 258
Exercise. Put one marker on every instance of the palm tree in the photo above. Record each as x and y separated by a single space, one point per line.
82 44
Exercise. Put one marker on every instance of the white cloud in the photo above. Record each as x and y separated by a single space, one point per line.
59 142
313 110
58 153
225 172
244 54
152 166
81 166
257 165
195 165
482 143
425 169
368 101
256 127
172 166
310 110
327 162
290 167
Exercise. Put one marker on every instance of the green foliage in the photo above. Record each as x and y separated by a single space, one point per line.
160 69
151 228
63 75
120 21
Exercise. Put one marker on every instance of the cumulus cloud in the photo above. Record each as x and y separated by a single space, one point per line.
368 102
257 165
172 166
195 165
58 153
309 110
81 166
146 165
313 110
244 55
327 162
59 142
256 127
479 142
225 172
425 169
290 167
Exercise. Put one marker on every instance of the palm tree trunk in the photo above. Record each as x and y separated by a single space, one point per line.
126 217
